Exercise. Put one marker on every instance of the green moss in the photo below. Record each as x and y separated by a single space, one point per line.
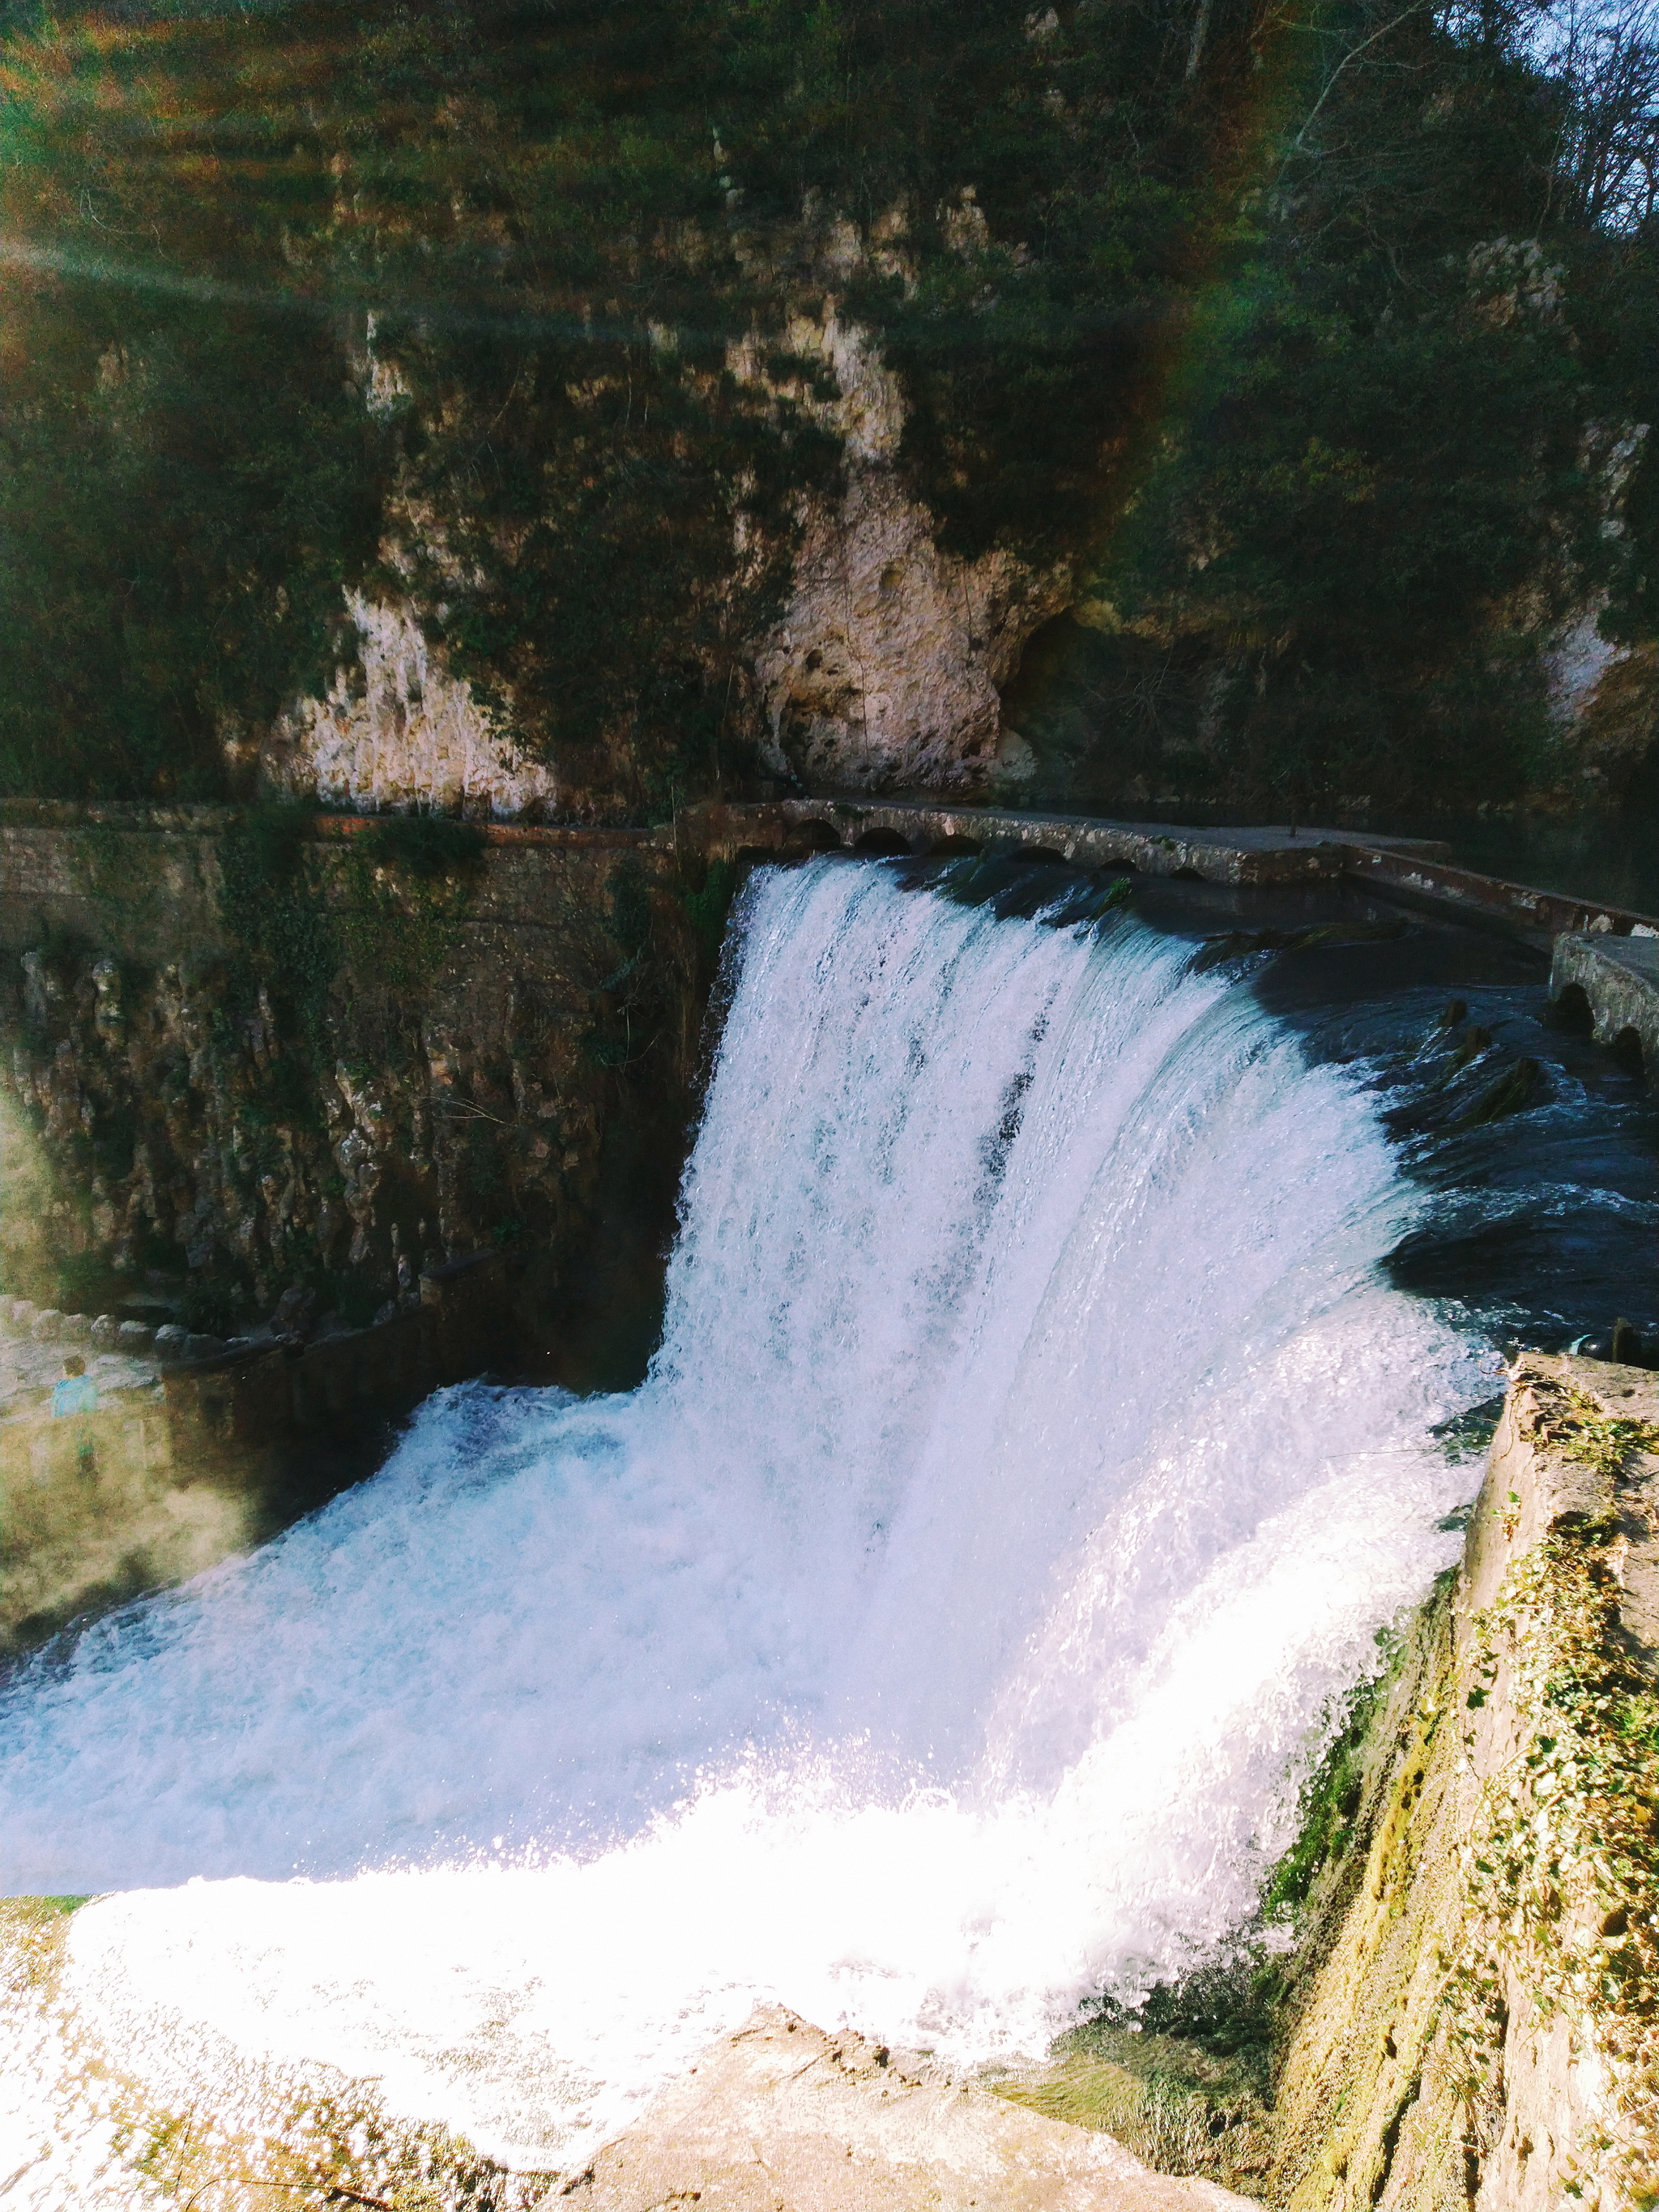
626 1022
1512 1093
87 1283
709 906
1178 2105
1332 1797
427 848
1562 1860
1577 1425
283 938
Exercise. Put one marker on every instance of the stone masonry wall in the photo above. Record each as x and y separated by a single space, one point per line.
245 1065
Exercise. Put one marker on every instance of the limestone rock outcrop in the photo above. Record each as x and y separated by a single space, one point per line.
401 733
882 672
782 2118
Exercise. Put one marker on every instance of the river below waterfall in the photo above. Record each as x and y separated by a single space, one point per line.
1058 1389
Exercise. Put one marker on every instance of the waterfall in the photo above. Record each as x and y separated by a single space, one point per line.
1034 1447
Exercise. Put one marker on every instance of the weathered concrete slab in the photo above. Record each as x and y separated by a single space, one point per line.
782 2118
1417 876
1618 977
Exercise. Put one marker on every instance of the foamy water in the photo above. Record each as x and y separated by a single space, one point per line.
1033 1449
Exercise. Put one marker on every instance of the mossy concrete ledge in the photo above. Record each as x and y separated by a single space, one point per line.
1475 2009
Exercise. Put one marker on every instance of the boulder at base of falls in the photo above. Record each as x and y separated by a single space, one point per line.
782 2118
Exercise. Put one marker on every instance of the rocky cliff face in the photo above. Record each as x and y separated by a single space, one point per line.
1475 2014
884 670
400 733
1603 697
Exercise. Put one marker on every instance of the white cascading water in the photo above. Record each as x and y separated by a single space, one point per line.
930 1642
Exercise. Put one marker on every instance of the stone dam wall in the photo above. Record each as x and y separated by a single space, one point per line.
239 1068
236 1069
253 1055
244 1052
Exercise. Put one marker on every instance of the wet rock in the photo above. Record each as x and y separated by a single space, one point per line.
1240 944
203 1347
1514 1090
1376 2101
296 1312
1470 1046
169 1345
135 1340
782 2118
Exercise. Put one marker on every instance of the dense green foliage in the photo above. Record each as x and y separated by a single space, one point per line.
1305 333
187 481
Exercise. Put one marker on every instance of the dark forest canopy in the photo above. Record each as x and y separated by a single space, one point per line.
1309 332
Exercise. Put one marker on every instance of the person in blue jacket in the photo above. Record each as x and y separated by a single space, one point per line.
76 1392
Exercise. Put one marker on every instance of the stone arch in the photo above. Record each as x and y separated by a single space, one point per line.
1626 1049
948 848
1573 1009
814 835
1045 854
882 844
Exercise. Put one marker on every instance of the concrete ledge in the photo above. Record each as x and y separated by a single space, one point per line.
1420 877
44 848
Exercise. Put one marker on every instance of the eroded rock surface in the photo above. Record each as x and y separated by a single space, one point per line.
402 733
386 1073
884 669
1476 2027
782 2118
